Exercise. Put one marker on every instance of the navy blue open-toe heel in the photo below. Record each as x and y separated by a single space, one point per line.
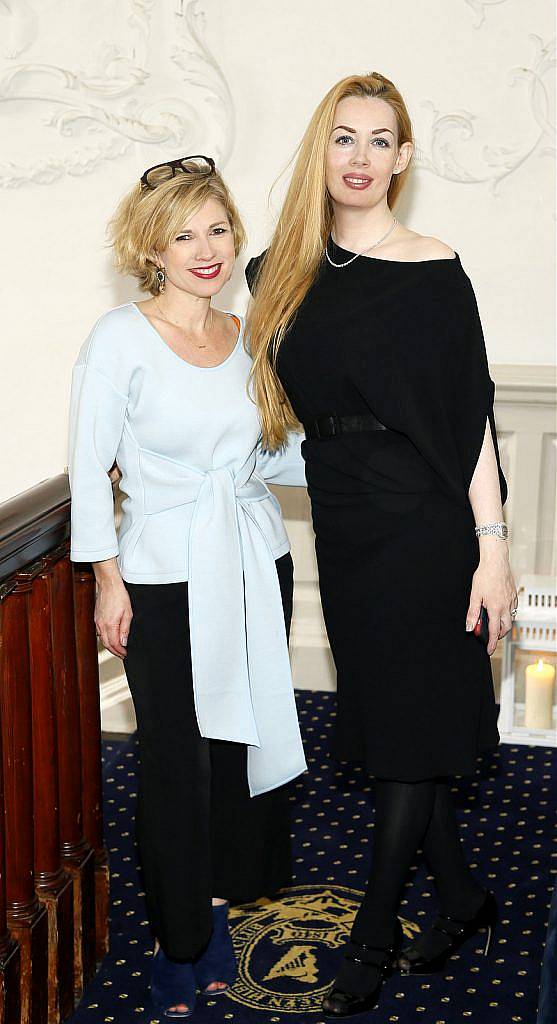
172 984
217 962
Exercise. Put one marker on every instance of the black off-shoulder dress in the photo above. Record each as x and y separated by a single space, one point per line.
394 529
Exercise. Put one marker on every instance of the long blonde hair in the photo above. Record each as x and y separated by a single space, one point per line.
297 245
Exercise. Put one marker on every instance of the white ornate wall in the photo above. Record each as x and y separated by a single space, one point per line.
91 94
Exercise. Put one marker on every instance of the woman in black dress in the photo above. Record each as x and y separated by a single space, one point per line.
368 334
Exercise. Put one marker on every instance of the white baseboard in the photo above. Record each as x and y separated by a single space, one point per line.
312 663
117 711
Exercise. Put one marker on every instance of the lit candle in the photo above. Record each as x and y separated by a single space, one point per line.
539 696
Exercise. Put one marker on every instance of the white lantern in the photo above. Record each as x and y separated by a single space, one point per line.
528 693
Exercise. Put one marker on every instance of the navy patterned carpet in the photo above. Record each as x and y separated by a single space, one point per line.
288 949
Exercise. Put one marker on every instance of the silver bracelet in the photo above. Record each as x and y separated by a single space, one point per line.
493 530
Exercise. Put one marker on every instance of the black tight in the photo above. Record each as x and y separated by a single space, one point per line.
402 813
459 893
409 815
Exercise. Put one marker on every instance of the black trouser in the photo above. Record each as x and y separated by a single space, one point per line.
200 833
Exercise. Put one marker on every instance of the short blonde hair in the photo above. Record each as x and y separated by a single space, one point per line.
147 219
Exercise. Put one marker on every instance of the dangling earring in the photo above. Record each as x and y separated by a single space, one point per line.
161 278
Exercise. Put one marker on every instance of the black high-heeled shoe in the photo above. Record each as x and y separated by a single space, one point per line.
339 1003
458 932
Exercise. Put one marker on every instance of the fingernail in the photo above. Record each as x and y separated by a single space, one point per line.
123 640
469 627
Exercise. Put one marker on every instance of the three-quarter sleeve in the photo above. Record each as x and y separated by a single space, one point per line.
97 411
285 466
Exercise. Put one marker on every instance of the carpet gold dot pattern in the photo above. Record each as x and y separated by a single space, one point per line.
288 948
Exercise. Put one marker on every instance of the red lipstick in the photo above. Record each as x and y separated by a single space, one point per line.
207 273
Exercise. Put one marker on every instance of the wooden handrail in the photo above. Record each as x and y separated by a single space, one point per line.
33 523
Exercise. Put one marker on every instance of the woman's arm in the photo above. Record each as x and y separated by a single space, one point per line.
285 466
493 584
113 612
97 411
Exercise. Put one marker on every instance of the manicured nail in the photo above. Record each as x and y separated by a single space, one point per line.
469 627
123 640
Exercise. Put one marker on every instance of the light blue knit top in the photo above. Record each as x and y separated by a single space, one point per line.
196 507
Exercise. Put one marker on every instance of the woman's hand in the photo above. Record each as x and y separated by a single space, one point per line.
493 587
113 610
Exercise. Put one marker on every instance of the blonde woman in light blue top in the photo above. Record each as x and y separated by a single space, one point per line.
160 387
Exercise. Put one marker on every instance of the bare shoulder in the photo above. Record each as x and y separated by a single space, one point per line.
426 247
409 246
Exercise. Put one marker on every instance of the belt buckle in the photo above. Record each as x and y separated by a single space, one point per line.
327 426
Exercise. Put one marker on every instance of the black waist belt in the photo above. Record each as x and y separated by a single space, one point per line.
332 426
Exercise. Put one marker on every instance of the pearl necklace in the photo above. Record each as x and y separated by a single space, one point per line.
374 246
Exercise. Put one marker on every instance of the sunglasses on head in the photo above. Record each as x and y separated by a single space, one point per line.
156 175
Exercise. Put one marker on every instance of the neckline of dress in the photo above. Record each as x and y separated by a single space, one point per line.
398 263
194 366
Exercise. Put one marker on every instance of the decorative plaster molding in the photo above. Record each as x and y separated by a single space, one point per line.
18 27
445 156
80 161
117 100
201 70
479 6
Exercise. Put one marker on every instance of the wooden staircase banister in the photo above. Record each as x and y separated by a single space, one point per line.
54 889
33 523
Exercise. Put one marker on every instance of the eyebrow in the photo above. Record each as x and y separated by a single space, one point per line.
217 224
376 131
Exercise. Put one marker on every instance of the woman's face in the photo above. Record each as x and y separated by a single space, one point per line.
200 259
363 152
